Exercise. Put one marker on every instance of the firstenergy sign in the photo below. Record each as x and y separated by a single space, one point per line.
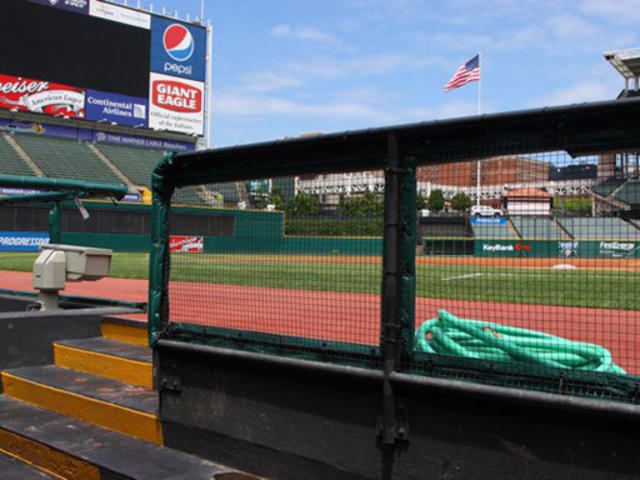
616 249
176 104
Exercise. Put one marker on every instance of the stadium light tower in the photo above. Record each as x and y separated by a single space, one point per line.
627 63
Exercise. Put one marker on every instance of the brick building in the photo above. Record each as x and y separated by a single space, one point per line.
494 171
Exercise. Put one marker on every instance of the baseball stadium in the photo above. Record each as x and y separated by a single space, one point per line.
448 299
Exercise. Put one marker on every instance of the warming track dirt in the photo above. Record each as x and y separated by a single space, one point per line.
354 317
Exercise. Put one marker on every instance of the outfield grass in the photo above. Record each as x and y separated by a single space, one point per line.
580 288
123 265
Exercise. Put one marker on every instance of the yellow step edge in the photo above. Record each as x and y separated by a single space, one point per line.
31 464
104 365
141 425
125 333
45 458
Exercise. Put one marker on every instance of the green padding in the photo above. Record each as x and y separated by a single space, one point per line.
329 246
115 241
449 335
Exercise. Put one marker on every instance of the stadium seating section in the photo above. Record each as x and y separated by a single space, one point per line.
630 193
599 228
490 232
537 227
135 163
62 158
608 186
65 158
10 161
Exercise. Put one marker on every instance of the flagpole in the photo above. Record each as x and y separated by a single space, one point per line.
479 113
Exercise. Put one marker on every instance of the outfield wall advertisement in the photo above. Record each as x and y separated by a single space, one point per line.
22 241
557 248
117 64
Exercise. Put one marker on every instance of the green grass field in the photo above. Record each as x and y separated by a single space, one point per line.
580 288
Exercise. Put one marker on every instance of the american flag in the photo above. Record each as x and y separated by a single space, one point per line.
468 72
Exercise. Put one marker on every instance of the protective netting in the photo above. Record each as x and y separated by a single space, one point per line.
527 270
300 271
506 257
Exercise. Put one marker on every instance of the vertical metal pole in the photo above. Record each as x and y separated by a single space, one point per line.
390 326
398 291
478 166
55 223
209 85
407 253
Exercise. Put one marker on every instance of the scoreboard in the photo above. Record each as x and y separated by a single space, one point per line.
103 62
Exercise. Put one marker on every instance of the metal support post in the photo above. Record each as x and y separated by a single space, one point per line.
55 223
398 290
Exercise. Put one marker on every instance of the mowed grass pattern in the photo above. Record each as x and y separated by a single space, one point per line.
579 288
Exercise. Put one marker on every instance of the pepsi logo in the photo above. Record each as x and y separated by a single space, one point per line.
178 42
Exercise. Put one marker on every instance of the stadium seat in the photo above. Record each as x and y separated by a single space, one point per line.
630 193
136 163
605 188
537 227
492 232
62 158
10 161
611 228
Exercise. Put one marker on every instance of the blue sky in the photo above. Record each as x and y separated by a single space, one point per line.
285 67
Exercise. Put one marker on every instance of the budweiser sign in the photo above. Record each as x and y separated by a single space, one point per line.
41 97
186 244
177 96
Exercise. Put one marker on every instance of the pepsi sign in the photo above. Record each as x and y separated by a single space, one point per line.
178 49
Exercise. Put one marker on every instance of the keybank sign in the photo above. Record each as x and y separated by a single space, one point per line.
497 247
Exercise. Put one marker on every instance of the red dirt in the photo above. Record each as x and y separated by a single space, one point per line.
354 317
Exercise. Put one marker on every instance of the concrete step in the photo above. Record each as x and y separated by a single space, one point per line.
13 468
128 331
104 357
76 450
108 403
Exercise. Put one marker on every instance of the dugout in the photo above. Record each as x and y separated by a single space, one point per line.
284 405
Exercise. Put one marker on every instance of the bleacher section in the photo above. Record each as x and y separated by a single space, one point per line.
187 196
611 228
492 232
630 193
443 226
537 227
605 188
138 163
135 163
62 158
10 161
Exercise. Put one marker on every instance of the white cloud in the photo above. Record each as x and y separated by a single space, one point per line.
266 81
363 111
305 34
329 67
583 91
295 74
621 11
234 104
